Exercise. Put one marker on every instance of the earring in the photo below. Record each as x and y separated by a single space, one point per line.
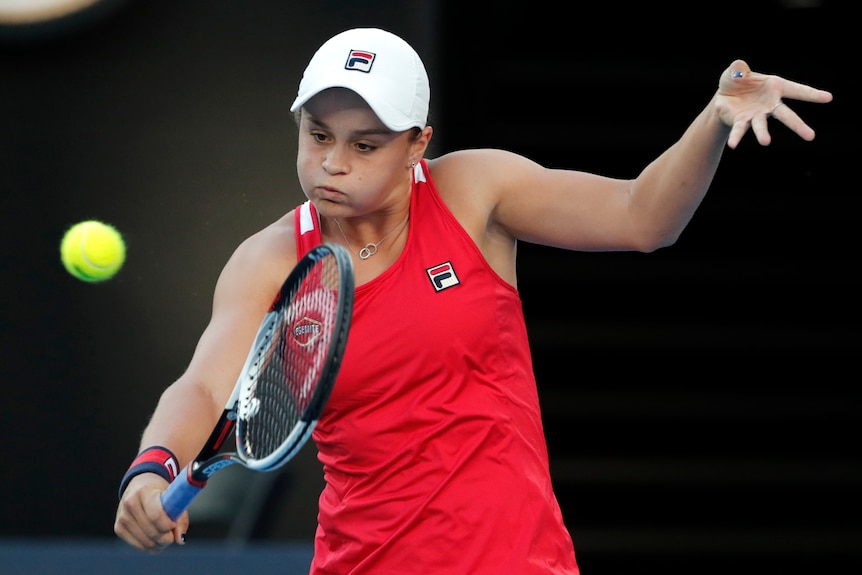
412 164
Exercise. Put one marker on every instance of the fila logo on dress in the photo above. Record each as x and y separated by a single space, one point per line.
442 276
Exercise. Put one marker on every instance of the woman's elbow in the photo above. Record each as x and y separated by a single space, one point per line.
653 240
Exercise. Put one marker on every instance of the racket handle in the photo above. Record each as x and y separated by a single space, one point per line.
180 494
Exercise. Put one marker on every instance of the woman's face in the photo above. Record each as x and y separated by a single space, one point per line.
348 162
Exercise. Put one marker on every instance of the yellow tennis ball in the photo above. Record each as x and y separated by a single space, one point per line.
93 251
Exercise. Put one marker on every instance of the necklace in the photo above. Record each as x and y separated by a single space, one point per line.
371 248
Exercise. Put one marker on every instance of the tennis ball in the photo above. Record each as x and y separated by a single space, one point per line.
93 251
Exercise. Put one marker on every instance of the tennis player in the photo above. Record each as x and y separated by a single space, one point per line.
432 446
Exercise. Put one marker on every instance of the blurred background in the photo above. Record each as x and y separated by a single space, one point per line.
701 402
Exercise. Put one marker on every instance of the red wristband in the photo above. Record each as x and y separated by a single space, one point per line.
156 459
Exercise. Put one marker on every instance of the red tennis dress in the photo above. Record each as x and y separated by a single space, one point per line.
432 444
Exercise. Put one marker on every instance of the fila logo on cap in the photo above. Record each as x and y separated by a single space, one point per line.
359 60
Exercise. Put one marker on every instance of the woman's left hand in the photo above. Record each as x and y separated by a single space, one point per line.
748 99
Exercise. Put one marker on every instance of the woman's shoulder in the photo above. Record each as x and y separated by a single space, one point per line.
493 167
276 235
479 174
273 245
471 158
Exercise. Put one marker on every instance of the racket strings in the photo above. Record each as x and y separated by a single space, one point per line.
288 377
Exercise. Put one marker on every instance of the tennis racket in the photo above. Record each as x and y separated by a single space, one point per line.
287 377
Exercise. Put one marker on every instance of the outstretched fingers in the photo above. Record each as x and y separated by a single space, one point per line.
784 114
805 93
737 131
748 99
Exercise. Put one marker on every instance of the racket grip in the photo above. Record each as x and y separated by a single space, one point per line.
180 494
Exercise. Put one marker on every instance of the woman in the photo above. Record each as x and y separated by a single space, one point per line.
432 445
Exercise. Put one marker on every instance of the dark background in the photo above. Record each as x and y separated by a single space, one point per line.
701 402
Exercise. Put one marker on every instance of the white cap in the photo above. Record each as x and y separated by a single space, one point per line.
379 66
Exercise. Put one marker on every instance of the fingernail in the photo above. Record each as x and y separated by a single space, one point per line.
183 537
736 74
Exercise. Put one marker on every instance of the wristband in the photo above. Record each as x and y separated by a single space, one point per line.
156 459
